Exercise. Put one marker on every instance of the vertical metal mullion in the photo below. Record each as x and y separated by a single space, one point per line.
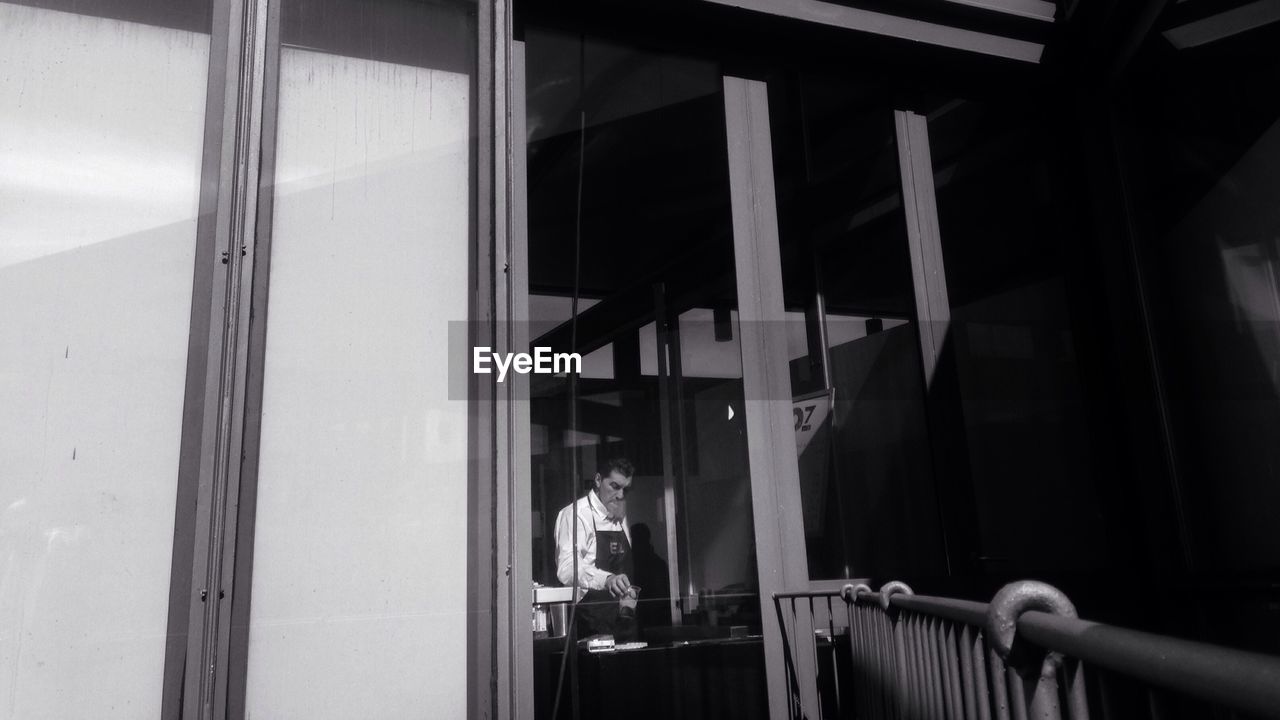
203 335
513 621
828 384
775 475
223 418
242 572
521 455
484 523
675 369
505 604
820 312
522 573
675 568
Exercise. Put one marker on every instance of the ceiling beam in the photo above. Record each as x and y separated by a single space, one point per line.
903 28
1032 9
1224 24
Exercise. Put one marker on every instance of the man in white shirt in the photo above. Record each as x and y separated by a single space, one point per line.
604 560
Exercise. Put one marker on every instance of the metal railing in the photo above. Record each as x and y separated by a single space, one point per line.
1025 655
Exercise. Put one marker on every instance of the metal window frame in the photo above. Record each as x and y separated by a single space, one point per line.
212 562
521 456
513 591
490 618
196 394
213 565
242 573
209 468
674 462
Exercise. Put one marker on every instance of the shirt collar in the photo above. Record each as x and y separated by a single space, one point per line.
596 504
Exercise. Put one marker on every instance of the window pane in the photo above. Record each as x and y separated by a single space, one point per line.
660 294
1201 146
359 589
101 129
1018 314
862 431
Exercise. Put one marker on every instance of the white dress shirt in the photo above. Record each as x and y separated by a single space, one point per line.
592 516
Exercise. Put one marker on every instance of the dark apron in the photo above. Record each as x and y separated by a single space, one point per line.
598 611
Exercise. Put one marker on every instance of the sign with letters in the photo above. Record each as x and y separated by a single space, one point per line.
809 413
812 417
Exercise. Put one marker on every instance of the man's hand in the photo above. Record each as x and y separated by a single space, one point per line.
617 585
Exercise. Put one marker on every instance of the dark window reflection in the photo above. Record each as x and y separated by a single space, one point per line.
990 465
865 465
1201 145
1005 216
643 135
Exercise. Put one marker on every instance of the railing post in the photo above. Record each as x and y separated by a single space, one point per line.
901 685
792 686
1040 679
849 593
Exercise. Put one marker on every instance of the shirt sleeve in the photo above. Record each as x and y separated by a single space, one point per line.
589 576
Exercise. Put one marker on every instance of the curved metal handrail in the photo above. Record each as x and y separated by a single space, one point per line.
1041 620
1244 681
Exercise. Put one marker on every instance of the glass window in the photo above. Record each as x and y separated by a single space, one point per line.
990 459
859 396
1200 142
1008 223
658 312
359 568
101 131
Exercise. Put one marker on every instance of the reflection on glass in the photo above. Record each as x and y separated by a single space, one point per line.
1001 206
658 310
856 379
1203 158
359 585
718 576
101 126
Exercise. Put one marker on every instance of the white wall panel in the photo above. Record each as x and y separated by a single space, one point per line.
101 126
359 590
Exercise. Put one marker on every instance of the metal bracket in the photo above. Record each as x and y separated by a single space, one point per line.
889 589
852 592
1009 604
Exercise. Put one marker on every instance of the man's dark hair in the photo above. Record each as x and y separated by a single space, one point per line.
622 466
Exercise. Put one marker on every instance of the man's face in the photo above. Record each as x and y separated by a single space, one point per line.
612 490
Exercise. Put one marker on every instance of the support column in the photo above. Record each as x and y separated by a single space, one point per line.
775 475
